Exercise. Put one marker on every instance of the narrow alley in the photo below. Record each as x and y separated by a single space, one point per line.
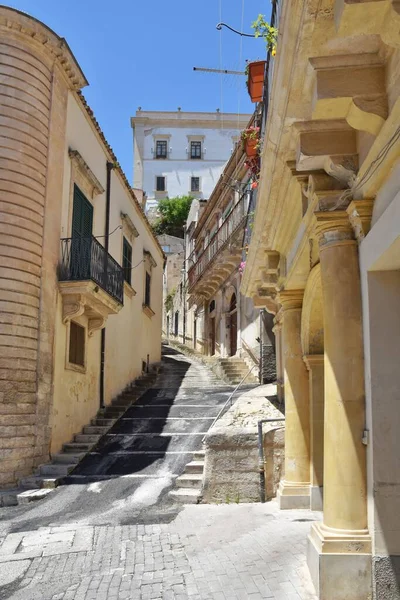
113 531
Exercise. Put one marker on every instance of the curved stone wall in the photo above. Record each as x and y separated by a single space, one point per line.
25 98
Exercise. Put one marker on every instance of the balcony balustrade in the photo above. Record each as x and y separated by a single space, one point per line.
85 259
233 223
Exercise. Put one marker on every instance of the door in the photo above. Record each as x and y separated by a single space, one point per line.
212 337
233 325
81 243
195 334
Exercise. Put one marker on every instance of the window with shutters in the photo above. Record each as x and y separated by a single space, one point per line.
76 353
127 261
147 290
82 215
160 184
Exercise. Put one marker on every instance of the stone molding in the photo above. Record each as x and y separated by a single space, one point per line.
129 225
312 360
86 172
360 215
291 299
38 33
333 228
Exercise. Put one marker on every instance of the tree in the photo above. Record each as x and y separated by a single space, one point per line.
173 215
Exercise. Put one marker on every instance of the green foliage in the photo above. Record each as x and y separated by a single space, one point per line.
169 300
263 29
173 215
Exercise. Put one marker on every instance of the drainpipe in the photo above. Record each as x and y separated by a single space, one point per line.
110 167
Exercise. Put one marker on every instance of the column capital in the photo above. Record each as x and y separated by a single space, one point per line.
313 360
333 228
291 299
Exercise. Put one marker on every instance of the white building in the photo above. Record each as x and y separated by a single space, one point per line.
181 153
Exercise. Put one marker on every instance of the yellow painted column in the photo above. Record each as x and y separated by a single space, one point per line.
339 548
315 366
294 490
277 329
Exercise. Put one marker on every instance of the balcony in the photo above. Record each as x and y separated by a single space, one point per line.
90 280
223 252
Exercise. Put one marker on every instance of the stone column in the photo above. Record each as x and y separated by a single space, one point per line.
294 490
339 548
278 355
315 366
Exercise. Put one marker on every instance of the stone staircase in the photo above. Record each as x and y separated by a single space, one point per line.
235 368
189 484
51 474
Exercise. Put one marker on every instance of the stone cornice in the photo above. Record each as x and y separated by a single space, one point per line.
36 32
127 221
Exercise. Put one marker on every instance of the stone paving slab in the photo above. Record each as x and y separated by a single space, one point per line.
208 552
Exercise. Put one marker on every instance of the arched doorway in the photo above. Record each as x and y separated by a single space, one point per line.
233 325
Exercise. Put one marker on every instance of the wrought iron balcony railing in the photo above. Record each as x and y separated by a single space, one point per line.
84 258
232 224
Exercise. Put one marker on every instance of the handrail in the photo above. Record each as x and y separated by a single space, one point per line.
229 400
250 352
226 230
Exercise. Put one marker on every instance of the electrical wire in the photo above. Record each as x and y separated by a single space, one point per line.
104 236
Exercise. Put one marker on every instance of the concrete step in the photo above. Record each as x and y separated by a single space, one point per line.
69 459
191 480
186 496
56 471
195 466
95 430
74 447
38 482
86 439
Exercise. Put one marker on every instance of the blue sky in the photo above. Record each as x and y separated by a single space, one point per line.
142 52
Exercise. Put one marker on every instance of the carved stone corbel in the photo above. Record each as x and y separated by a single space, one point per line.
73 306
360 214
95 324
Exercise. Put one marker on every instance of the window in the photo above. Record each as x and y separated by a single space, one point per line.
166 249
160 184
76 344
147 289
127 261
195 184
161 149
195 149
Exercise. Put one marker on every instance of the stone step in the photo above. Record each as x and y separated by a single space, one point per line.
199 455
123 401
195 466
113 412
32 495
86 439
99 422
56 471
191 480
95 430
31 483
186 496
70 459
74 447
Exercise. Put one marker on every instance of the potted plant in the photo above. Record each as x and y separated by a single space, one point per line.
250 140
255 79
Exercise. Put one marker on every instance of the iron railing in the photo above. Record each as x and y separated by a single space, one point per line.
84 258
233 222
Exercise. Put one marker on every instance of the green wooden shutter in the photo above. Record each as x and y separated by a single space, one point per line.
82 215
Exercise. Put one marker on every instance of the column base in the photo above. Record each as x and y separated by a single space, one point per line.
340 563
316 498
293 495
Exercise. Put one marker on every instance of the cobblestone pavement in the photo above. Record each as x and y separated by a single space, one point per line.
215 552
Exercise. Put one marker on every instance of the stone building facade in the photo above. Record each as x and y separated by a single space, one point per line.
64 305
324 256
181 153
